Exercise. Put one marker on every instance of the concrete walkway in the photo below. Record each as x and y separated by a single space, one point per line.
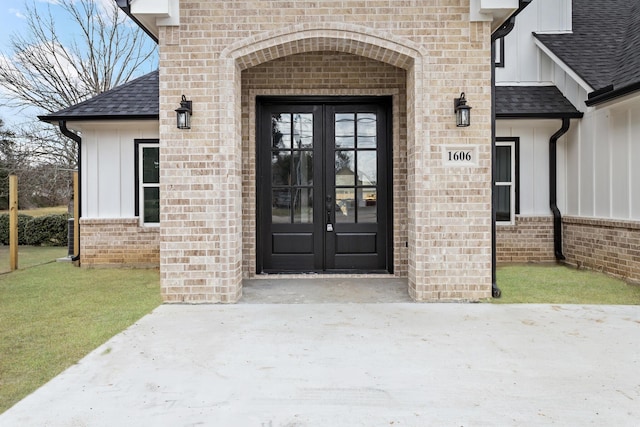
342 364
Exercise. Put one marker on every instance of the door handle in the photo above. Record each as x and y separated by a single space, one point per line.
329 206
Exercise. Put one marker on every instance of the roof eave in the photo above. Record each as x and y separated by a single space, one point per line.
103 117
515 116
595 98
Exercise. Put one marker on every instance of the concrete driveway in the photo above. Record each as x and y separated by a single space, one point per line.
340 364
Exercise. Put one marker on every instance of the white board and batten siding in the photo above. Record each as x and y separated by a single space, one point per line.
525 64
108 166
534 161
603 161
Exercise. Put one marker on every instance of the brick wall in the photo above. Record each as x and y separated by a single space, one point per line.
530 239
448 210
604 245
118 242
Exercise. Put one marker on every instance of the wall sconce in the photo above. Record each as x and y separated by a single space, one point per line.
462 110
183 114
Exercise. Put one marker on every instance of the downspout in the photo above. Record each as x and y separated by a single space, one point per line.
553 193
502 31
499 33
77 197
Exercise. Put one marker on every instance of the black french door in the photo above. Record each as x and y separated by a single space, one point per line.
323 200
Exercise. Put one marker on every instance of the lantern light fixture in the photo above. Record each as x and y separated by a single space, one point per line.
183 114
462 110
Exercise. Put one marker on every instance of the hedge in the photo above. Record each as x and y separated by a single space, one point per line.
48 230
4 228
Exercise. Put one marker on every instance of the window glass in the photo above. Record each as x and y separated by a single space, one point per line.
503 163
345 130
150 165
148 202
151 204
505 185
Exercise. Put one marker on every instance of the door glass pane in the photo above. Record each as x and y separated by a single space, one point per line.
303 205
367 137
345 167
302 168
281 206
503 203
151 204
303 130
281 168
503 163
281 130
150 165
345 130
345 205
367 205
367 168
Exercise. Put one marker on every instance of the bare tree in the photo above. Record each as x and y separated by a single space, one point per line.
51 73
47 70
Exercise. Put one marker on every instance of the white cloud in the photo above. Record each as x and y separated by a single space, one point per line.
17 13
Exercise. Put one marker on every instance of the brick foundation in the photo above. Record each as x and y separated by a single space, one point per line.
610 246
118 243
529 240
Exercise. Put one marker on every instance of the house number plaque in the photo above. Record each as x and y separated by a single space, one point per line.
460 155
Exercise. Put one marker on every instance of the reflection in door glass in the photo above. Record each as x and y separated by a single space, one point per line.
303 130
303 167
367 205
345 205
303 205
281 168
367 168
345 130
281 206
281 130
345 167
367 130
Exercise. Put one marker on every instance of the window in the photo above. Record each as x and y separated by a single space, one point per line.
506 185
498 52
148 182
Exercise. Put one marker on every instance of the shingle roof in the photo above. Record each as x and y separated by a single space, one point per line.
604 47
137 99
533 102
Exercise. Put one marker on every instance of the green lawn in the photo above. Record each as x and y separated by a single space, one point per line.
557 284
53 314
29 256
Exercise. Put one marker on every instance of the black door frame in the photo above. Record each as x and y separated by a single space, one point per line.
386 103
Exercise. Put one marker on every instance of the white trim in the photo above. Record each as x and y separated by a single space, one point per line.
563 65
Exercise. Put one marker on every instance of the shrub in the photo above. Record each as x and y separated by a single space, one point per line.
48 230
4 228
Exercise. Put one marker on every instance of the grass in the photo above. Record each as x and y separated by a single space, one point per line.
54 314
30 256
557 284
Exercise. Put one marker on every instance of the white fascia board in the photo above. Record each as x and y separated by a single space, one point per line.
560 63
156 13
494 11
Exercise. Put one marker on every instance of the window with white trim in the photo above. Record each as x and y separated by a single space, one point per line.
148 177
506 185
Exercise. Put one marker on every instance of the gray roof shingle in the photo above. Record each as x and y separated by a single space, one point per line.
533 102
604 47
137 99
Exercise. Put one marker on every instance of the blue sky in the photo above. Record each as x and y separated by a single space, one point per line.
12 21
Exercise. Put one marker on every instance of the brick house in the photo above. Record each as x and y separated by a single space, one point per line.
323 139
